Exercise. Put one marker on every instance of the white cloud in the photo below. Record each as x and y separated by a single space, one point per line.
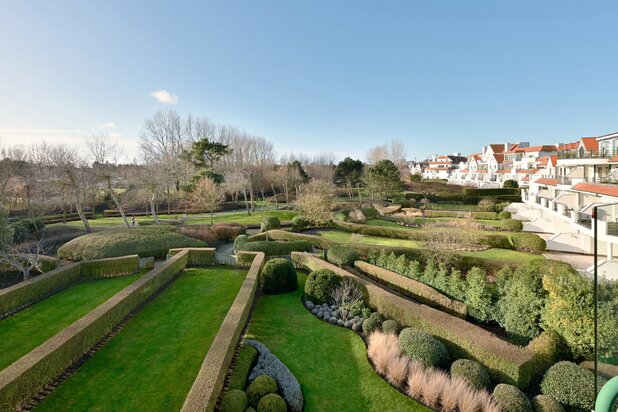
114 135
109 125
165 97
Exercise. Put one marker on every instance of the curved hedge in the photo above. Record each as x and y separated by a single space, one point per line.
142 242
273 247
342 256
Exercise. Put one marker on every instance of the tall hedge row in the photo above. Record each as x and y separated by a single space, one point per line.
109 267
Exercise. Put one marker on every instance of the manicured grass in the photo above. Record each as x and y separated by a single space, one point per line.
330 362
32 326
505 255
419 220
452 206
347 237
229 217
152 363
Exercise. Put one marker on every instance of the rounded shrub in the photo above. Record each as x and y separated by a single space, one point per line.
423 347
260 387
299 223
278 276
473 373
504 215
511 399
270 223
391 326
512 225
578 393
545 403
403 202
371 325
510 184
528 242
342 256
272 403
240 241
320 285
487 205
234 400
370 212
340 216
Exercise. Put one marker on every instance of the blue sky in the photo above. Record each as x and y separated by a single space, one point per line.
314 76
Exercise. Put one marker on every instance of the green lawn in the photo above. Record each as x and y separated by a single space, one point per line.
347 237
419 220
152 363
229 217
32 326
504 255
330 362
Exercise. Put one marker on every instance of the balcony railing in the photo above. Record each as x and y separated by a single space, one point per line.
612 228
588 154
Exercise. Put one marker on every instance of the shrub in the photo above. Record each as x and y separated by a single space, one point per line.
357 216
544 403
512 225
272 403
299 223
228 231
260 387
496 241
320 285
472 191
570 384
511 399
270 223
504 215
480 295
528 242
391 326
473 373
113 243
548 348
510 184
370 212
200 232
487 205
371 325
278 276
485 216
423 347
342 256
403 202
340 216
234 400
272 247
244 362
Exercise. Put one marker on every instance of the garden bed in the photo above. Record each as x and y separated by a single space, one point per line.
127 372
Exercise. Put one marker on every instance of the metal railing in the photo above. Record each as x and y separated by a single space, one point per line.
612 228
588 154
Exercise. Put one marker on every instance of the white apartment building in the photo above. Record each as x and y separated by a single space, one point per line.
443 167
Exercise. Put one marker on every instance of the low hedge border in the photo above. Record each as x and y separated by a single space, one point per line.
272 247
417 290
198 256
506 362
109 267
211 377
23 379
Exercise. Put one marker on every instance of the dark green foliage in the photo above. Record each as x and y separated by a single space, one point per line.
371 324
384 179
340 216
342 256
6 231
299 223
512 225
510 184
270 223
471 191
511 399
204 153
528 242
142 242
348 173
548 348
480 296
475 374
545 403
415 178
320 284
273 248
403 202
423 347
245 361
272 403
240 240
370 212
234 400
497 241
278 276
391 326
570 384
504 215
260 387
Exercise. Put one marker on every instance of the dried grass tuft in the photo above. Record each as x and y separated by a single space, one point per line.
398 370
432 387
452 394
382 349
416 377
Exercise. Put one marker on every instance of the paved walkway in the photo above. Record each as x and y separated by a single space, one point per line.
579 262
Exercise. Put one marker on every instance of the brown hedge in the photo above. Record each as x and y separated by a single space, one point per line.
211 377
198 256
413 288
507 362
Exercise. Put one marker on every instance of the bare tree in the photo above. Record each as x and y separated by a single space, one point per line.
315 201
209 195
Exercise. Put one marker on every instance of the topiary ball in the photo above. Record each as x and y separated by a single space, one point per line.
320 285
545 403
342 256
578 393
272 403
511 399
278 276
371 325
391 326
299 223
234 400
378 316
260 387
270 223
512 225
473 373
423 347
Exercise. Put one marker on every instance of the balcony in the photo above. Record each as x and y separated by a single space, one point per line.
588 154
612 228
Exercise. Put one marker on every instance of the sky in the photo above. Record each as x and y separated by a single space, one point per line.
313 76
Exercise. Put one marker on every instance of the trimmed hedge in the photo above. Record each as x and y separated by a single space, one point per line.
506 362
423 347
512 225
203 256
413 288
270 223
300 223
142 242
473 373
391 326
544 403
511 399
472 191
278 276
246 359
528 242
319 285
272 403
260 387
25 377
234 400
342 256
504 215
578 393
110 267
273 247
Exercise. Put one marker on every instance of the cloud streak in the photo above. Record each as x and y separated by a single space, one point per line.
109 125
165 97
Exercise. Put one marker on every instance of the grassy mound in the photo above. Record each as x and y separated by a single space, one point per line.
143 242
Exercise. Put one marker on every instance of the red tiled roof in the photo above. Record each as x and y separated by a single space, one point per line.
545 159
607 190
590 143
503 171
525 178
543 148
481 171
546 181
499 157
527 170
439 168
568 146
613 159
497 148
